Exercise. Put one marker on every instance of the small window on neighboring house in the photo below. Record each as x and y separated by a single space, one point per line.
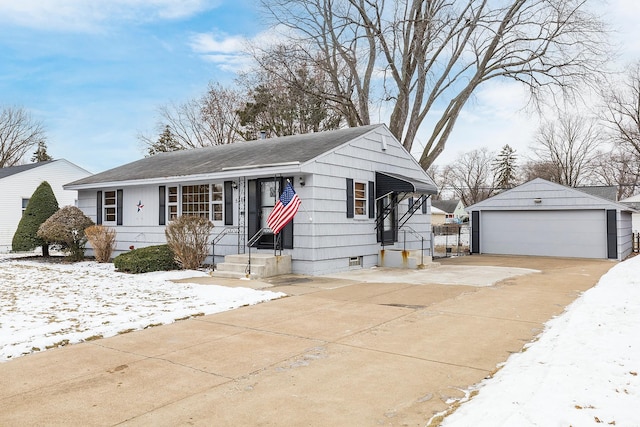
217 202
110 206
360 198
172 202
25 202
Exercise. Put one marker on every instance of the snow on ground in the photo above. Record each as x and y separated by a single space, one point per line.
582 371
47 304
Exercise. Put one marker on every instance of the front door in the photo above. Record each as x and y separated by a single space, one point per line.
263 195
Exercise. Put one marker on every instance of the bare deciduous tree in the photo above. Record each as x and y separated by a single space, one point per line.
438 175
621 168
539 169
208 120
471 176
622 112
431 56
569 144
19 134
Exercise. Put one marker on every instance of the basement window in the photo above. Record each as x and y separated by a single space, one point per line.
355 261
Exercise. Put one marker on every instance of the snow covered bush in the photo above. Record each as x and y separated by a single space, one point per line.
66 228
144 260
102 240
188 238
41 206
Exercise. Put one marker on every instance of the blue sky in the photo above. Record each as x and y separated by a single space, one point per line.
94 72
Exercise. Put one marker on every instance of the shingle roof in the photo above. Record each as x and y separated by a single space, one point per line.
609 192
12 170
448 206
294 148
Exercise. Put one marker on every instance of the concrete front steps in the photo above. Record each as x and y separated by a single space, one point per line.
262 265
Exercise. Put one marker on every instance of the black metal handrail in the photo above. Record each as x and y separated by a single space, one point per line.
252 243
219 236
418 235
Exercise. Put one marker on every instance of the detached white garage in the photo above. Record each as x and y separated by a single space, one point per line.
543 218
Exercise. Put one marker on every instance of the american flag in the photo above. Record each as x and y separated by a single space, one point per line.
284 210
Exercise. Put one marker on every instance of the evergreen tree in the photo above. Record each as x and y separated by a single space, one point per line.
166 142
504 168
41 206
41 155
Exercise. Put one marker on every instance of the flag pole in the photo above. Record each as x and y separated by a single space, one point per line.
306 211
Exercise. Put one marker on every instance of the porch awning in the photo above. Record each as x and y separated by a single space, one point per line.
390 182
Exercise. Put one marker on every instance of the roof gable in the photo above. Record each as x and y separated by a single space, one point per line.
448 206
12 170
295 149
541 194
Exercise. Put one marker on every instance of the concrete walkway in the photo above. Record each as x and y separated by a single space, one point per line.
339 351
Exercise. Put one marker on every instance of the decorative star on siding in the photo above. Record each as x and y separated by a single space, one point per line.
140 206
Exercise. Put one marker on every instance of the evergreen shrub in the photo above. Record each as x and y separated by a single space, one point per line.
144 260
41 206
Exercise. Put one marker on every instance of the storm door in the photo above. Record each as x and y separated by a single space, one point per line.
263 195
388 225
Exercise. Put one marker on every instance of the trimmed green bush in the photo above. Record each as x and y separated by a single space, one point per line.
66 228
144 260
42 205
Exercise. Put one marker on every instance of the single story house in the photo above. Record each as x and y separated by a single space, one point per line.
363 197
453 210
547 219
17 184
438 216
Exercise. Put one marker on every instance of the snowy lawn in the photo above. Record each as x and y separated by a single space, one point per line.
582 371
43 305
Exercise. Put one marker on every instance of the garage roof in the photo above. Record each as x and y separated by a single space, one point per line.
540 194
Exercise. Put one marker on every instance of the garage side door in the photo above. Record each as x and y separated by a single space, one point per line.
544 233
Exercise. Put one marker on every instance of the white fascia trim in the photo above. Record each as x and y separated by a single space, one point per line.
227 174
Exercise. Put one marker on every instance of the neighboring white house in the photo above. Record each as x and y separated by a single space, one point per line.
548 219
363 196
17 184
454 212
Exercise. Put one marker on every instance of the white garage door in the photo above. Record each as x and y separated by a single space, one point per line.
544 233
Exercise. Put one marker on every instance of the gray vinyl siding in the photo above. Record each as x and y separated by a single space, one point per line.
625 234
326 243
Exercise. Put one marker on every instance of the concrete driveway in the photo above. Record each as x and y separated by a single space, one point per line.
350 350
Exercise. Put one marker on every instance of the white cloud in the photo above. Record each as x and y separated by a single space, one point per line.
209 43
93 15
231 52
